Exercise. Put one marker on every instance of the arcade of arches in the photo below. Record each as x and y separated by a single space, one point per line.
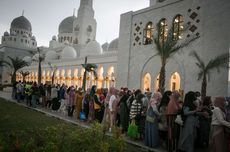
104 79
175 82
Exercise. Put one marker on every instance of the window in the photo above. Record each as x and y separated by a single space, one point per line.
14 39
4 39
148 33
22 40
26 41
21 32
10 38
33 43
162 35
178 27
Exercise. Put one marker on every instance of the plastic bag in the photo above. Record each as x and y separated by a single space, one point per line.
133 130
82 115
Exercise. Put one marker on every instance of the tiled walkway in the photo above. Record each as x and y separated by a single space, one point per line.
7 95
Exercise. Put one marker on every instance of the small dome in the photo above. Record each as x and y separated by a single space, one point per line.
6 33
54 38
51 55
33 38
25 35
66 42
66 26
68 53
105 47
35 57
27 59
113 46
21 23
93 48
13 33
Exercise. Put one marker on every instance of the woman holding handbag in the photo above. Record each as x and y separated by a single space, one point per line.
151 124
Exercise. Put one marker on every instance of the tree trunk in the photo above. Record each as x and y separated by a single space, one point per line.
52 81
23 78
162 79
13 78
84 77
203 86
39 71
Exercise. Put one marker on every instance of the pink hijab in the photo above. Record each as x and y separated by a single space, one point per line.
173 105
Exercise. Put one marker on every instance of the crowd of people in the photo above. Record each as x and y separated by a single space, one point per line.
170 120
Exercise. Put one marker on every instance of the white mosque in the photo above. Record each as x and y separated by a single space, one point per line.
128 61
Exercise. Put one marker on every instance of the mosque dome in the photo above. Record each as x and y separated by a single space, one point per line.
93 48
66 26
25 35
105 47
33 38
51 55
113 46
6 33
68 53
21 23
27 59
13 33
66 42
54 38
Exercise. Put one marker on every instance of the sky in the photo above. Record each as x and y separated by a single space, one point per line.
46 15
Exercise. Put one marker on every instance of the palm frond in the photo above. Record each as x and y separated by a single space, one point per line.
220 61
199 61
200 75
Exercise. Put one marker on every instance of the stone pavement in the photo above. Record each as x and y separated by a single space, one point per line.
7 95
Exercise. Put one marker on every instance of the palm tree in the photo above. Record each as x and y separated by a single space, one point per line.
166 48
15 64
89 67
24 74
205 70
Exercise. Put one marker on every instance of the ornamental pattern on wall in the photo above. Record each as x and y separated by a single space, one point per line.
193 22
137 35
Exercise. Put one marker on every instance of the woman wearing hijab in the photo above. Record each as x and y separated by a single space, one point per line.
217 135
189 113
93 96
113 102
71 101
173 129
151 124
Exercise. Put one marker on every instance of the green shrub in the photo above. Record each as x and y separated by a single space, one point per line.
61 139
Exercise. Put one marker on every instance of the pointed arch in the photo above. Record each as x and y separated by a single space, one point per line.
175 81
147 82
178 26
148 33
162 35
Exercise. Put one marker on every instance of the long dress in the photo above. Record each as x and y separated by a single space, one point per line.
151 128
79 98
188 133
124 113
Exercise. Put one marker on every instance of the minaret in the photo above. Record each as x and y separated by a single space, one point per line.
85 24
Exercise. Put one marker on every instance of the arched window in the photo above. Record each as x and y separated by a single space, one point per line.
162 35
156 83
147 82
175 81
100 77
178 27
148 33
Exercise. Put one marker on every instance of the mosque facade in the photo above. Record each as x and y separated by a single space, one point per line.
129 61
